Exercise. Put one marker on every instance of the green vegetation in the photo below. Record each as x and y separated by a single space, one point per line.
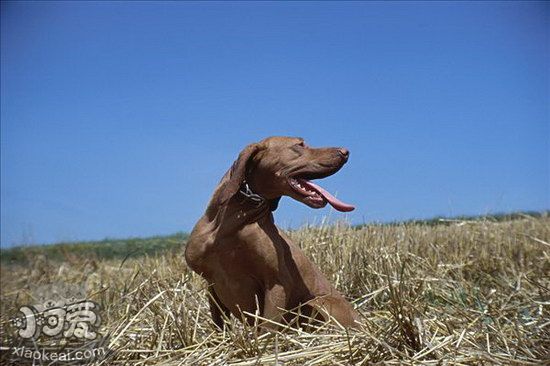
104 249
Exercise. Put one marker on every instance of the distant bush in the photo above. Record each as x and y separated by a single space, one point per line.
104 249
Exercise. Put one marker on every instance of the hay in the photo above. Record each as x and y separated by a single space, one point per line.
458 294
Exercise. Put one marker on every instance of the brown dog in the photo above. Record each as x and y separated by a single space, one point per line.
250 264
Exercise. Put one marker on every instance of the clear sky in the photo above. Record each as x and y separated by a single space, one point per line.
119 118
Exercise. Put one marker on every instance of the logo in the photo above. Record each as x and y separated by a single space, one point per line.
61 327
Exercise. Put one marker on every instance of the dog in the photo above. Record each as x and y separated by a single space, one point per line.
252 267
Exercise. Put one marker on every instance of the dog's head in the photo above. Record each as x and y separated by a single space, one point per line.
284 166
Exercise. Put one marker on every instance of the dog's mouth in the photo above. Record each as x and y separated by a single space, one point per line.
316 196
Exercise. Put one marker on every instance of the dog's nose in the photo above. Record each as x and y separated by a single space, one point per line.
344 152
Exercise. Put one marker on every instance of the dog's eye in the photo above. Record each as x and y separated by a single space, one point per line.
301 144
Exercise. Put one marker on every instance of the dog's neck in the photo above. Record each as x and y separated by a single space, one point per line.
244 208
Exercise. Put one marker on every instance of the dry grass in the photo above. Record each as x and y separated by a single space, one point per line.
463 293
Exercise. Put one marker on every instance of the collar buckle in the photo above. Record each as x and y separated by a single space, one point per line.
255 198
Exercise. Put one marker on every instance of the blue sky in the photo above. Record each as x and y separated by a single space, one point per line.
118 119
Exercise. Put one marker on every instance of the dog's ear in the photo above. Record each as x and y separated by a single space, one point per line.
237 172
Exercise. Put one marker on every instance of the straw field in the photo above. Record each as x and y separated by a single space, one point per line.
458 293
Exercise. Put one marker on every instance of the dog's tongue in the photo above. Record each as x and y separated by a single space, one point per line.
334 202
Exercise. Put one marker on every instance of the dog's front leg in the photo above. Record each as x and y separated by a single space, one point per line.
217 310
274 306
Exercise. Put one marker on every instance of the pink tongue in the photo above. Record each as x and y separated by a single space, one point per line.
334 202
